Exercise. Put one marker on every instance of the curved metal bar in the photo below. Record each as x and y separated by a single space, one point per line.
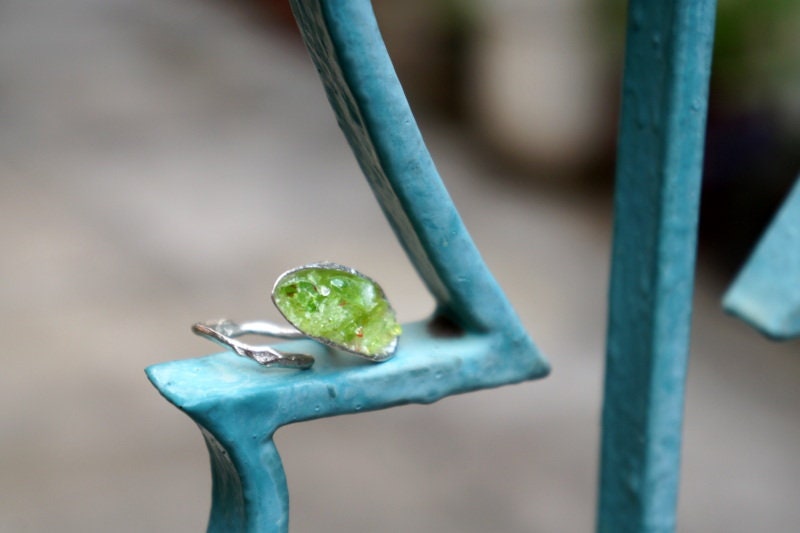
345 44
252 504
239 406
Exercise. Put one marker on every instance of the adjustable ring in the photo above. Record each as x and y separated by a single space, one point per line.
327 302
224 331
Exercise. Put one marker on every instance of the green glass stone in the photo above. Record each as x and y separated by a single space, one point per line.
340 307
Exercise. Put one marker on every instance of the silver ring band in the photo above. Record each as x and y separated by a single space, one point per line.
224 331
327 302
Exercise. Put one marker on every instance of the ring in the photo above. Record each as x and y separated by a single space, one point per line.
327 302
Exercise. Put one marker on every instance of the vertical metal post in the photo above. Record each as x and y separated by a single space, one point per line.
665 94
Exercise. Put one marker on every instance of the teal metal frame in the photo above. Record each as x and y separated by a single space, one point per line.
474 340
766 293
659 163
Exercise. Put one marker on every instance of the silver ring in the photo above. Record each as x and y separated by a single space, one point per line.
327 302
224 333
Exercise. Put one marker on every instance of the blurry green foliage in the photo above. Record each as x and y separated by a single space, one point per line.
756 49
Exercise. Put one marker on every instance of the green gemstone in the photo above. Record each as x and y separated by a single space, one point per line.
338 306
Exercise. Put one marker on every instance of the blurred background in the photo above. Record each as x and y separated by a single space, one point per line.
161 162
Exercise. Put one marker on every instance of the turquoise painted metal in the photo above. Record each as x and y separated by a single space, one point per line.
664 102
473 341
766 293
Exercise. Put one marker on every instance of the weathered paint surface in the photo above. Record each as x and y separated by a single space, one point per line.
239 405
766 293
664 101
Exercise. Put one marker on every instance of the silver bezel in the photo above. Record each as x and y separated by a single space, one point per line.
328 265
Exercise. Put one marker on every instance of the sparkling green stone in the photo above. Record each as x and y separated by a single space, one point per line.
340 307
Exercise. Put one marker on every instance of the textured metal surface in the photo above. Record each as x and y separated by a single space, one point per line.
665 87
239 405
766 293
346 46
474 340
